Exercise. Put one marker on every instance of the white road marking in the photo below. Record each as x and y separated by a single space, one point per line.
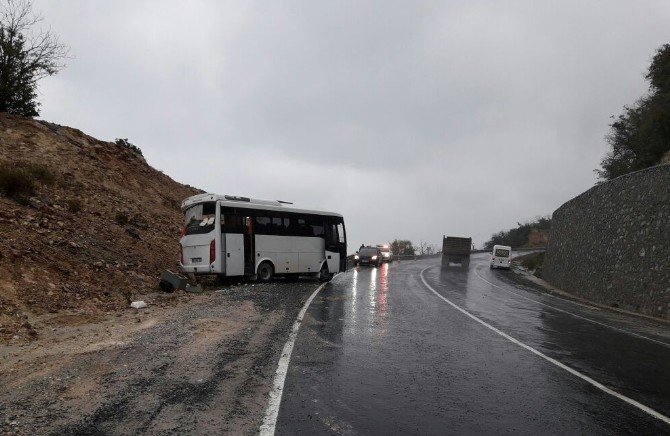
575 315
271 412
584 377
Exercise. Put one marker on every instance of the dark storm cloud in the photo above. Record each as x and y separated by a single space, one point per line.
413 119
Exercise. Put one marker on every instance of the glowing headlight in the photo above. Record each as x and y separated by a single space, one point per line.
374 257
356 257
386 254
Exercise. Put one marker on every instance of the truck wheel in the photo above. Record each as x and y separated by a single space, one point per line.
265 272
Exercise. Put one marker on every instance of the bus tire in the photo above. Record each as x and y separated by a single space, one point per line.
265 272
324 275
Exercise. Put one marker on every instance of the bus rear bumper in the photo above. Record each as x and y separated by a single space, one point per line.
198 269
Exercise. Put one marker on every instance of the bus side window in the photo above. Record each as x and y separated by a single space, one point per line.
316 226
231 223
263 225
302 229
277 227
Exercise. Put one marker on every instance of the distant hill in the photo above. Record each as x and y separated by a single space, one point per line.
83 223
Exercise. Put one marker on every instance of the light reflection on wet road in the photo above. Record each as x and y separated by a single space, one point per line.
380 354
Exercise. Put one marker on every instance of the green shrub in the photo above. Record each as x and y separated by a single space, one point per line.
41 173
74 205
19 180
16 183
123 142
533 262
121 218
520 236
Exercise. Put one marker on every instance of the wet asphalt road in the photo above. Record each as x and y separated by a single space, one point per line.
379 353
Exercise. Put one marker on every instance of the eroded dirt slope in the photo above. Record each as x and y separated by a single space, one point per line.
100 226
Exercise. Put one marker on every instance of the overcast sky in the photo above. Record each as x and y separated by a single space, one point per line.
412 119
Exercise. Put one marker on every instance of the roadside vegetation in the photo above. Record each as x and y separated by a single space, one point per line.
533 233
640 136
533 262
402 247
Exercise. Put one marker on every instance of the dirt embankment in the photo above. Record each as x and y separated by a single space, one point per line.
97 225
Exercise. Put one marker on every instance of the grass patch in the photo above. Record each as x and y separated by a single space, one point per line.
16 183
41 173
19 181
121 218
533 262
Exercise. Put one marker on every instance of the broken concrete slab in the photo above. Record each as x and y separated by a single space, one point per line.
138 304
171 281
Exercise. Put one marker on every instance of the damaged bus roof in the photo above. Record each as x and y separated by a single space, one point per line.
250 203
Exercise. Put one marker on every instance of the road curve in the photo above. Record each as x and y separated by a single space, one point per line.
412 348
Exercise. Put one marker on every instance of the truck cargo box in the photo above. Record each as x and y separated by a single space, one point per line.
456 249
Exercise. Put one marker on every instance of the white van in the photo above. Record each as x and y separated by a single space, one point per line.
501 257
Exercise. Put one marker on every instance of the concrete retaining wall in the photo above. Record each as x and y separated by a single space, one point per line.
611 244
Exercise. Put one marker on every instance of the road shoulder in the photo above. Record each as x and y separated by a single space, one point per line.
202 366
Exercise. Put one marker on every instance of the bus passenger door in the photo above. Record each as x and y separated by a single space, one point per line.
342 246
234 254
249 261
332 248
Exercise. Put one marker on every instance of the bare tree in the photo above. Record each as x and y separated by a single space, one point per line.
27 54
423 245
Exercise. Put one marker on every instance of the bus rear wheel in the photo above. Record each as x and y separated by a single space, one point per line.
265 272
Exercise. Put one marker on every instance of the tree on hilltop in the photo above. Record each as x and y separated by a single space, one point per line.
640 137
26 56
402 247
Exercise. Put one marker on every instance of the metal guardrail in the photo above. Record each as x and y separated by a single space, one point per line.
415 256
514 249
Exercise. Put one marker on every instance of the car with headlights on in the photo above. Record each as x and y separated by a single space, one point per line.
386 252
368 256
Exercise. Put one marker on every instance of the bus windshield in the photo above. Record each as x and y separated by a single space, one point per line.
200 218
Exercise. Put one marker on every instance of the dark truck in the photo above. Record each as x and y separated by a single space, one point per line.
457 250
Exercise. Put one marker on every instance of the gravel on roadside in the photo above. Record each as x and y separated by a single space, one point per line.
202 365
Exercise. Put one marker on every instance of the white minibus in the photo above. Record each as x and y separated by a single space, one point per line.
501 257
238 236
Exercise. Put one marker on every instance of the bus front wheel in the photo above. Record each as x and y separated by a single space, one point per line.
265 272
324 275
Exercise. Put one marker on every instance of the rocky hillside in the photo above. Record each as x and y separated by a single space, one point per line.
84 224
